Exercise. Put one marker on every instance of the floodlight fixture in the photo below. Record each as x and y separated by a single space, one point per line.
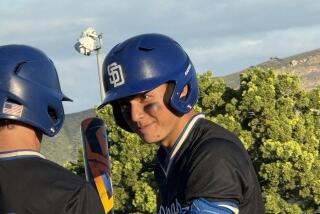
88 43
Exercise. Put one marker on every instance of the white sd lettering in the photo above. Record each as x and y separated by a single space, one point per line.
115 74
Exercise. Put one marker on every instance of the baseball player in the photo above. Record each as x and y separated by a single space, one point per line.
30 106
201 167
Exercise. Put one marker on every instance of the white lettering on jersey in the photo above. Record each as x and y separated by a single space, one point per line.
174 208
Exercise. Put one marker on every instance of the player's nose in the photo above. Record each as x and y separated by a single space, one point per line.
137 111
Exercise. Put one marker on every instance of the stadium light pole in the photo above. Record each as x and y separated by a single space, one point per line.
89 42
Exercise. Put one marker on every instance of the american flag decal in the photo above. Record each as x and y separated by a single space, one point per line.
12 109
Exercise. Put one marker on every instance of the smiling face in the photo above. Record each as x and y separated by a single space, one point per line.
148 116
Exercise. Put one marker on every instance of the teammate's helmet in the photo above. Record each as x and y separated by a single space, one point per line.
29 89
144 62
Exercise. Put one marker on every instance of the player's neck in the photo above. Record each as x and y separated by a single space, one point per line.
18 137
169 143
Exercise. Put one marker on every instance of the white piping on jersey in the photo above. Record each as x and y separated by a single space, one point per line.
182 138
233 209
21 153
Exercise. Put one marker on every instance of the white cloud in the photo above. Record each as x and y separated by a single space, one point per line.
224 36
234 53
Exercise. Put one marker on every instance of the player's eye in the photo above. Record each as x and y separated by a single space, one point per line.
145 97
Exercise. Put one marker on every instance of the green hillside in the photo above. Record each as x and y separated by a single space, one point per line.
306 65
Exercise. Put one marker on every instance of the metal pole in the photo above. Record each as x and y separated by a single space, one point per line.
102 92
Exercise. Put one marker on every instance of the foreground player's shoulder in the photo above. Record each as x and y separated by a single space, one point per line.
55 168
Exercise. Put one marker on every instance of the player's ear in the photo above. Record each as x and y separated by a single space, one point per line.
184 92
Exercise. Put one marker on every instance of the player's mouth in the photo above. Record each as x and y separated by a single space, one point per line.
145 129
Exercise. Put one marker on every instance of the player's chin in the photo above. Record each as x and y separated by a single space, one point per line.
149 139
146 140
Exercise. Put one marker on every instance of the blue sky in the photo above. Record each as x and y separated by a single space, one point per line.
222 36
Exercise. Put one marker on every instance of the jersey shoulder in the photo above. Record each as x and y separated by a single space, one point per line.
209 137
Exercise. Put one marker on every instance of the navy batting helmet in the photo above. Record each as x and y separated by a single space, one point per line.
29 89
144 62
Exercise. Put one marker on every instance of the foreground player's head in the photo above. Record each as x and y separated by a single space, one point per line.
30 91
145 63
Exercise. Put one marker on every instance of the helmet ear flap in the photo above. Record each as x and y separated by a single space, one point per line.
118 117
53 115
184 104
168 98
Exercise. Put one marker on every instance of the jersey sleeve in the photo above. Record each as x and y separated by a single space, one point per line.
219 171
202 206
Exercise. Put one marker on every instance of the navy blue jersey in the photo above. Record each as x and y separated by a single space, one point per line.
32 184
207 162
